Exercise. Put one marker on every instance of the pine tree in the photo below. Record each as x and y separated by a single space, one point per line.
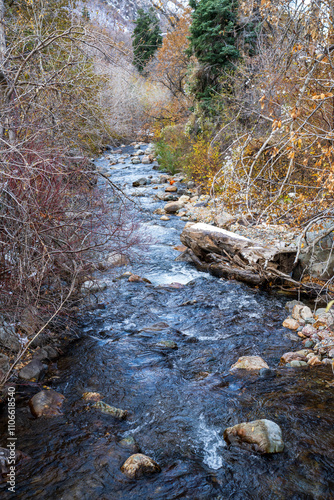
213 40
146 38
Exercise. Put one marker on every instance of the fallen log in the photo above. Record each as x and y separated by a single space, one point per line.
229 255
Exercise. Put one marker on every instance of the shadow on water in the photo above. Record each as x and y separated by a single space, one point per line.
179 399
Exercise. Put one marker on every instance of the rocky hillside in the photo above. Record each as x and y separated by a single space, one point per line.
122 12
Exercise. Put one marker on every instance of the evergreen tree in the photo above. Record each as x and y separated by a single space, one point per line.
146 38
213 40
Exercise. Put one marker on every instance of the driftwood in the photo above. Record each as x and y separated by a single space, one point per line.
232 256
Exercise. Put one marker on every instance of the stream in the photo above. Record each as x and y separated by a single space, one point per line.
179 399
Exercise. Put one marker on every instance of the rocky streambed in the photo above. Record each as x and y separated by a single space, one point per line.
176 387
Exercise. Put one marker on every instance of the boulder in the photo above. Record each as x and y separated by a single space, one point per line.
262 436
32 370
46 403
173 207
138 465
249 363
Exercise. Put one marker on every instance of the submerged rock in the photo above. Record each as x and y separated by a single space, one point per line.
34 369
129 443
93 286
262 436
167 344
91 396
110 410
46 403
138 465
249 363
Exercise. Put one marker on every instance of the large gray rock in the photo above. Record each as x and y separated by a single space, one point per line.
34 369
138 465
317 257
262 436
46 404
9 338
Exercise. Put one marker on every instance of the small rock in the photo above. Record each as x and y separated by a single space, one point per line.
34 369
263 436
91 396
116 260
309 343
140 182
138 465
135 160
173 207
171 189
165 217
184 198
295 363
110 410
267 373
327 361
291 304
288 357
291 324
134 278
306 313
224 219
249 363
314 361
296 312
309 330
46 403
147 159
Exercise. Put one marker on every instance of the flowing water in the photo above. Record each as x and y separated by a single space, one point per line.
179 400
